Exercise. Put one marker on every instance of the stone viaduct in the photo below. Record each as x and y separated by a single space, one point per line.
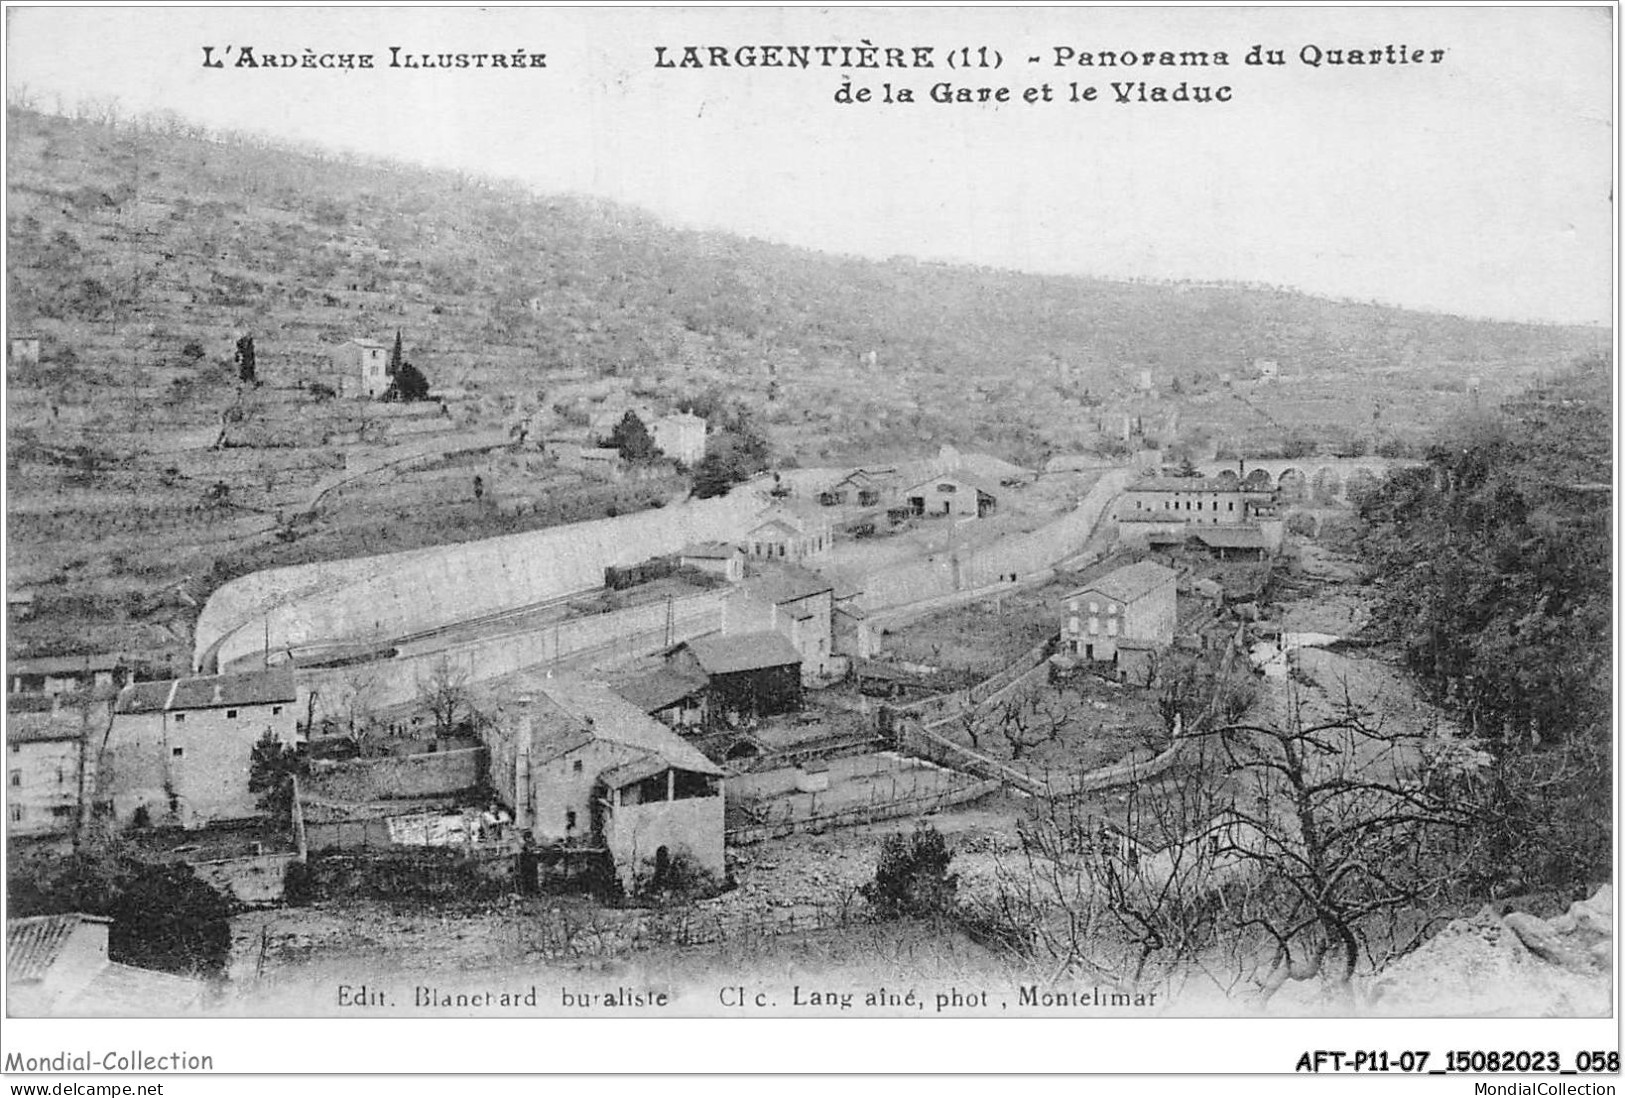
1310 479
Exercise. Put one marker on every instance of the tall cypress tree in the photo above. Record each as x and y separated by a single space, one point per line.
395 355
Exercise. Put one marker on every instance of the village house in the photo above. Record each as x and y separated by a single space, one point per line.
1203 500
680 436
1123 617
361 367
1162 511
674 698
44 756
859 487
789 535
747 676
954 494
58 965
580 766
66 674
793 601
717 557
178 752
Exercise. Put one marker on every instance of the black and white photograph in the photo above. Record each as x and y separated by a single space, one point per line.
538 520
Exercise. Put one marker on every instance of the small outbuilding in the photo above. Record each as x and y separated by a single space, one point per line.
954 494
747 675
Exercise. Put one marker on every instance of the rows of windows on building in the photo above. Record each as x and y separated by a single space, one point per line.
1173 505
1111 612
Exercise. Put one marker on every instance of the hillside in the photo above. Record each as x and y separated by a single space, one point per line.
141 474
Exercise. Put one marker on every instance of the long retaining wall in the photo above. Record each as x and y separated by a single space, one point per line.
422 589
1021 554
602 638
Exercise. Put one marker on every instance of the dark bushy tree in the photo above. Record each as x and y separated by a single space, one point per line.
272 766
409 384
912 878
632 439
166 918
244 358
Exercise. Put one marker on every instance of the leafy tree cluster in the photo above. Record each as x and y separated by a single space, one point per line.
1495 561
735 450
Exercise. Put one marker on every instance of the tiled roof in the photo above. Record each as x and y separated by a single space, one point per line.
635 771
777 526
34 944
719 655
960 476
616 720
1131 581
59 727
1230 537
659 689
210 691
1187 484
144 697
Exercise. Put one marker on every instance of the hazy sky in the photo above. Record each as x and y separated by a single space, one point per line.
1479 185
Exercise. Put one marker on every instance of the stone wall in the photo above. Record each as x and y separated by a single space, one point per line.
858 815
412 872
422 589
1021 554
252 880
435 774
692 827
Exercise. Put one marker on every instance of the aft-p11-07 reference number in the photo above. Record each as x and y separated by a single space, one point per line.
1454 1061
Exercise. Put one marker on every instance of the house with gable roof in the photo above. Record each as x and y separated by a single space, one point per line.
954 493
1122 617
789 535
580 766
796 602
45 771
178 751
746 675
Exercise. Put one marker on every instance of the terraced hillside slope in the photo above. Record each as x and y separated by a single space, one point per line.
143 474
